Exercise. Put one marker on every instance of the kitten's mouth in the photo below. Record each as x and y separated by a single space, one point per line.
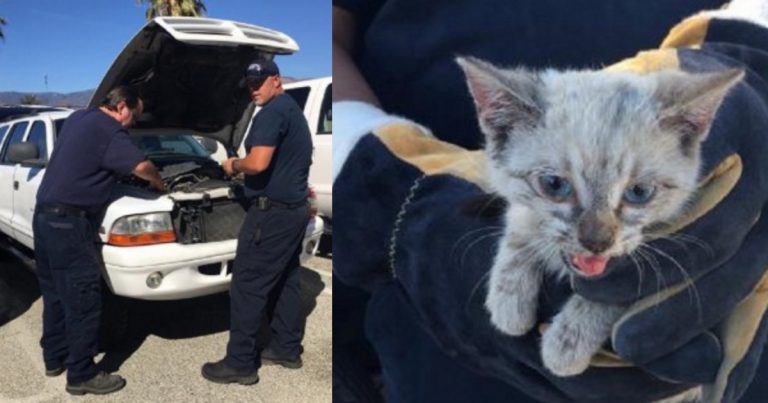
587 265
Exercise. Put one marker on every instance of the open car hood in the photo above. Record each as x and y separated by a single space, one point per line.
188 70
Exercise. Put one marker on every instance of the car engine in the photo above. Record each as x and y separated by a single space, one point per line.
187 176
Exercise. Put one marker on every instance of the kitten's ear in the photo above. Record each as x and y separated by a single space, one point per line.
690 101
505 99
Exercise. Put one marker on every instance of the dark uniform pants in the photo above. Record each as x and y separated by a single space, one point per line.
69 273
268 252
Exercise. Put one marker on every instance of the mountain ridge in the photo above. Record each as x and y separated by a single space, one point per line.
77 99
74 100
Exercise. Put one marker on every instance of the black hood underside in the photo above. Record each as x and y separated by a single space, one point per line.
186 86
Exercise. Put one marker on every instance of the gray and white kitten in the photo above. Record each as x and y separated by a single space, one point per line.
588 161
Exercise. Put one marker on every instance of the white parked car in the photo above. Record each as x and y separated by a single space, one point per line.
180 244
314 96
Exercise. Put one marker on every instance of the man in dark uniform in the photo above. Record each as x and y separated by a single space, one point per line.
276 168
92 149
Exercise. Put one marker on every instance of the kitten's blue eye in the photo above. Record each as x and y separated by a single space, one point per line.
555 187
639 193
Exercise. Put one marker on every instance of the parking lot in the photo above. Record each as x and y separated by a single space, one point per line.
166 344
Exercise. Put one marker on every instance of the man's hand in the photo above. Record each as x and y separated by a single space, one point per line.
157 184
146 170
228 166
257 161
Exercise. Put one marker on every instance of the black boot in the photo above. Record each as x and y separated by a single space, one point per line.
220 372
268 357
53 372
101 384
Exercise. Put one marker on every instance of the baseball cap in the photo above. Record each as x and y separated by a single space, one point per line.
260 69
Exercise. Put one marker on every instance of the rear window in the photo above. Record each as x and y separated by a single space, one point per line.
325 125
170 145
59 123
299 95
3 130
37 136
17 134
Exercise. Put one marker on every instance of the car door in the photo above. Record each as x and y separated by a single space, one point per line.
320 174
7 170
27 180
4 227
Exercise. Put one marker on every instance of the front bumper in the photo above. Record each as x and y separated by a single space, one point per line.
187 270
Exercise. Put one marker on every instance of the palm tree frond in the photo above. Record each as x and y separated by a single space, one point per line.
2 22
176 8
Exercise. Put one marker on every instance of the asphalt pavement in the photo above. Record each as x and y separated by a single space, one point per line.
166 344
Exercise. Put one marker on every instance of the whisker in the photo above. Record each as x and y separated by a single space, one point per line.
471 233
693 291
475 242
533 251
695 241
661 282
476 287
639 269
682 238
528 254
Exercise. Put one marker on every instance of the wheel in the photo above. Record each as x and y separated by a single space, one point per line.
326 245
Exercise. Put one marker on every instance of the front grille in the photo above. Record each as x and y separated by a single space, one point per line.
207 221
214 269
211 269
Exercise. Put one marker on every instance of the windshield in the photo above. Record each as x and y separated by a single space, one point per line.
171 145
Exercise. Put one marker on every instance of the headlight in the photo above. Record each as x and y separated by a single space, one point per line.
143 229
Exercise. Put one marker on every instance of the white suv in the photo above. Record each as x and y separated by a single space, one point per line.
180 244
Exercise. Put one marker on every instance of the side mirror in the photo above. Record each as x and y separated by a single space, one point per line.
20 152
209 144
26 153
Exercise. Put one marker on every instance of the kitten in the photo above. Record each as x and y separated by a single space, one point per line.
587 161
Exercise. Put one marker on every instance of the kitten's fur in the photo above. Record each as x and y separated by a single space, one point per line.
576 154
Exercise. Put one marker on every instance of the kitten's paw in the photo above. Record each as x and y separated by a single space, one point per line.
563 350
511 313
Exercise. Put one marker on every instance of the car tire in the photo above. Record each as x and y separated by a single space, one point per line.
326 245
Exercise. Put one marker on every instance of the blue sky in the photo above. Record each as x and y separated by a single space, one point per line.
75 42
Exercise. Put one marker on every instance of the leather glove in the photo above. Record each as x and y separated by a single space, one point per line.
720 317
700 291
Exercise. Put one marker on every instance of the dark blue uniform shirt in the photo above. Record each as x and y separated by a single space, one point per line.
281 124
91 151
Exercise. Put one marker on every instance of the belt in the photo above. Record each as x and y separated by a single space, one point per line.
62 210
265 203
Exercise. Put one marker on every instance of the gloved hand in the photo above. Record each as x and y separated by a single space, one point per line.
704 283
720 317
412 211
717 317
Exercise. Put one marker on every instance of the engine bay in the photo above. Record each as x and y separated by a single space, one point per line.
208 206
186 176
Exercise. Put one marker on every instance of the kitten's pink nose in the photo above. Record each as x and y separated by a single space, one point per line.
596 245
597 232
